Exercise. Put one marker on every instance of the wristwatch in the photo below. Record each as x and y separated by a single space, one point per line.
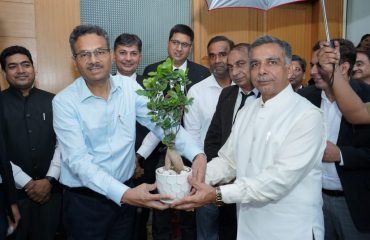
51 180
219 201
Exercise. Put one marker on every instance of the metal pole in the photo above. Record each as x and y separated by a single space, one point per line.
325 21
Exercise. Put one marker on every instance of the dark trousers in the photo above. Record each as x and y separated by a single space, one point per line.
96 218
3 219
227 222
162 224
338 221
38 221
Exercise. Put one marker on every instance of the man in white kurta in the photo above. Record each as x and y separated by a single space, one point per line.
274 151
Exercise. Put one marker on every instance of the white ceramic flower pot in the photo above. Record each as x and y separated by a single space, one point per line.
176 185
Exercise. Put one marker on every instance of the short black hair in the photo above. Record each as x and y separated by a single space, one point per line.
86 29
182 28
220 39
363 51
301 62
362 39
9 51
347 51
127 39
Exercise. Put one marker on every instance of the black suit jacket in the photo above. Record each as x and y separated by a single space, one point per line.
7 186
354 144
222 122
196 72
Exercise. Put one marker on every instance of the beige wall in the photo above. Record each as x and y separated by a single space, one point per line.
300 24
42 26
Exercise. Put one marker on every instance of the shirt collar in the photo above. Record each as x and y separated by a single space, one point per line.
86 93
254 90
133 76
280 98
183 66
324 97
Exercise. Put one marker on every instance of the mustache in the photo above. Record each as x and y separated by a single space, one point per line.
94 65
263 78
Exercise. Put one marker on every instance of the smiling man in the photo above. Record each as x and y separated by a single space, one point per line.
94 119
179 47
346 155
274 151
31 145
361 70
199 116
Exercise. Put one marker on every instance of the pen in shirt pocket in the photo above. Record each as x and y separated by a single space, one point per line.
43 116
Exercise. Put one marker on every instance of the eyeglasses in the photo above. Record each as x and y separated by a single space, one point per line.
213 56
176 43
86 55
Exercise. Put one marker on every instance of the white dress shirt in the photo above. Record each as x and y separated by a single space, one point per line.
332 119
274 151
205 96
247 101
133 76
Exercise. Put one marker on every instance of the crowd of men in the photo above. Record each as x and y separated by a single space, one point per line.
271 157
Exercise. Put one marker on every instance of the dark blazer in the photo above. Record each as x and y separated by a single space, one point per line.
354 144
222 122
196 72
7 186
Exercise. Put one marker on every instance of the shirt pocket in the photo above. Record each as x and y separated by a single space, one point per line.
126 126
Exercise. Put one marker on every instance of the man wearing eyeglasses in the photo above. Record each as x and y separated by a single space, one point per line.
94 119
31 145
179 47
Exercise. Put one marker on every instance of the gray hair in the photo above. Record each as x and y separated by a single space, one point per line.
270 39
86 29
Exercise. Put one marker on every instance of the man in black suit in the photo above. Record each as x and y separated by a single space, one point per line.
346 160
299 70
8 195
229 103
179 46
127 56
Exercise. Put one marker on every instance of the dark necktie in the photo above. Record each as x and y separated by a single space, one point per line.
244 97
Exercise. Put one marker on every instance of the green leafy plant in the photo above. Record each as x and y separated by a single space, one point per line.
167 103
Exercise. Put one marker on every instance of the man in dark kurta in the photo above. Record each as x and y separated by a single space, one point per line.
31 145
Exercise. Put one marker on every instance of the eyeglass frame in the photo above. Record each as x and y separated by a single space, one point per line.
96 53
183 44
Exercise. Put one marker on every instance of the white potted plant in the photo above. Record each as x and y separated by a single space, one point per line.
167 103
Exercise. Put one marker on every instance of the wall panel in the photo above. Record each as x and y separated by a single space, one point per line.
300 24
54 22
42 26
17 19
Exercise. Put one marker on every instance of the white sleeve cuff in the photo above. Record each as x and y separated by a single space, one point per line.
116 190
20 178
150 142
341 163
